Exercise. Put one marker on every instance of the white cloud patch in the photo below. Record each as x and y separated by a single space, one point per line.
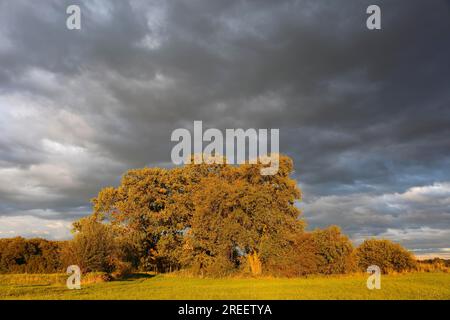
418 217
31 226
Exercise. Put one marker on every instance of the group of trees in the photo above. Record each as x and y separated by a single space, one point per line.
213 219
218 219
19 255
209 218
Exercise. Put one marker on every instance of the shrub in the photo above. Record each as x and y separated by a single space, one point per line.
385 254
121 269
221 266
95 277
334 250
93 248
298 258
19 255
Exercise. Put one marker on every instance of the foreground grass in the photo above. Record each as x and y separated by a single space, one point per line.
406 286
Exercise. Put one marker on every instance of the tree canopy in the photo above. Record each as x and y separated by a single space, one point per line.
204 215
208 219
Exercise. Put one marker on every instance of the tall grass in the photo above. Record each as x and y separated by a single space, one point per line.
49 279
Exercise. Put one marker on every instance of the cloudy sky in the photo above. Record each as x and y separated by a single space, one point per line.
365 114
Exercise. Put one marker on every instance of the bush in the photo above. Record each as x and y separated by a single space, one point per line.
334 250
19 255
95 277
324 251
385 254
93 249
121 269
221 266
298 258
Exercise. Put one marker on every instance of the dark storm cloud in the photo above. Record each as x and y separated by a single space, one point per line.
365 114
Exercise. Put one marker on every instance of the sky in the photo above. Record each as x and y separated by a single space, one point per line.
365 114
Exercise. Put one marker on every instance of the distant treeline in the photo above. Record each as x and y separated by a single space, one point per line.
19 255
205 219
434 265
324 251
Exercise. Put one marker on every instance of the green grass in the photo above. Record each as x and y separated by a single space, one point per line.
406 286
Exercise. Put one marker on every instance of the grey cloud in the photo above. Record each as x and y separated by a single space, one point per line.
362 113
420 216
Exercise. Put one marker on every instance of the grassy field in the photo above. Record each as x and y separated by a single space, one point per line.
406 286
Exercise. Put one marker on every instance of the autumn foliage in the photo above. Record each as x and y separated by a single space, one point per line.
19 255
210 219
387 255
207 219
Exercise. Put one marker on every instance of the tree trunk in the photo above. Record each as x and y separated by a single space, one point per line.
254 263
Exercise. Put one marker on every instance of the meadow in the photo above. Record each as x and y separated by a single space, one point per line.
174 286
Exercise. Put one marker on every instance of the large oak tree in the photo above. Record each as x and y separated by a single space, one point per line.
210 217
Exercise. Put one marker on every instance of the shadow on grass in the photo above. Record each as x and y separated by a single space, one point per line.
137 276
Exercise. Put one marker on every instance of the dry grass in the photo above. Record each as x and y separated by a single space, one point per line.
174 286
